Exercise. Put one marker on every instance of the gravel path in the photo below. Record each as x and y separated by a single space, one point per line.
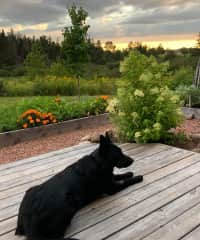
48 144
56 142
191 126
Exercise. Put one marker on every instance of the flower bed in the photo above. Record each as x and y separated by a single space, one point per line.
43 111
22 135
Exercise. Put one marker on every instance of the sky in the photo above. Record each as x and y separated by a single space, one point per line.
173 23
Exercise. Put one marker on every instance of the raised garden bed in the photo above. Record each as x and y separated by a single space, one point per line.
14 137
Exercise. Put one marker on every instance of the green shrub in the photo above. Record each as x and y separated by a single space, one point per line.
2 87
35 62
8 119
55 85
52 85
4 73
183 76
18 88
145 109
58 69
190 95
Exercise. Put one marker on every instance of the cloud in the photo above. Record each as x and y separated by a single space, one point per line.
108 18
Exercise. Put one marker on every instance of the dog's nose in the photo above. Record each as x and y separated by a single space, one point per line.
131 160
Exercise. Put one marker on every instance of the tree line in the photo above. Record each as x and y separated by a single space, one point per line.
77 48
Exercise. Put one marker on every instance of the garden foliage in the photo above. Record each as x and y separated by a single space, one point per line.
50 85
145 109
46 110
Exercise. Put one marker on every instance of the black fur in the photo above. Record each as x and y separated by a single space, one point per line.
47 209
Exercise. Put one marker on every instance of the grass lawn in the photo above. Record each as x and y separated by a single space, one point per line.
11 101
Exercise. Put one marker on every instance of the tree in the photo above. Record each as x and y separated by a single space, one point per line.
109 46
76 42
35 62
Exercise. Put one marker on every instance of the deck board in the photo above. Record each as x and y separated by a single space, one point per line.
166 205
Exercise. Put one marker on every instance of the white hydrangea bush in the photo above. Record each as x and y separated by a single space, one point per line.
145 109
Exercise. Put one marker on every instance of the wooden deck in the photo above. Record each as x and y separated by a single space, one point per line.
165 206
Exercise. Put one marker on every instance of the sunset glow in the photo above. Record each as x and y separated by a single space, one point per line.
165 44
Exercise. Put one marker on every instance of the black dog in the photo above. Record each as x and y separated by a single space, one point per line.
47 209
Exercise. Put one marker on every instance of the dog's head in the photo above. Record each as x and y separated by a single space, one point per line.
113 154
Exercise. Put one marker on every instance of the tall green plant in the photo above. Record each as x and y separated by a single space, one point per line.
75 45
145 109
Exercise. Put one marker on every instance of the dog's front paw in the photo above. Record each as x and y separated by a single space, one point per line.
138 178
129 175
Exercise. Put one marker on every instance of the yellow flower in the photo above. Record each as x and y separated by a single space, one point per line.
147 131
134 115
160 99
121 114
154 91
179 112
137 135
157 126
112 105
138 93
174 99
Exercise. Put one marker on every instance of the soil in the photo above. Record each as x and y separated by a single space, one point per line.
35 147
47 144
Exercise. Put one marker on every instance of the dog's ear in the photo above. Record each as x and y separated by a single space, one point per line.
103 140
108 137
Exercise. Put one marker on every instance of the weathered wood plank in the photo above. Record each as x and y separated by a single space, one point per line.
42 162
158 175
99 214
47 173
154 221
3 167
142 167
56 157
194 235
36 171
180 226
171 175
131 199
134 213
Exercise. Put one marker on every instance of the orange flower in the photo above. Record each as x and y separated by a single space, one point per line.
29 112
30 118
44 122
25 125
32 121
37 120
54 121
104 97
